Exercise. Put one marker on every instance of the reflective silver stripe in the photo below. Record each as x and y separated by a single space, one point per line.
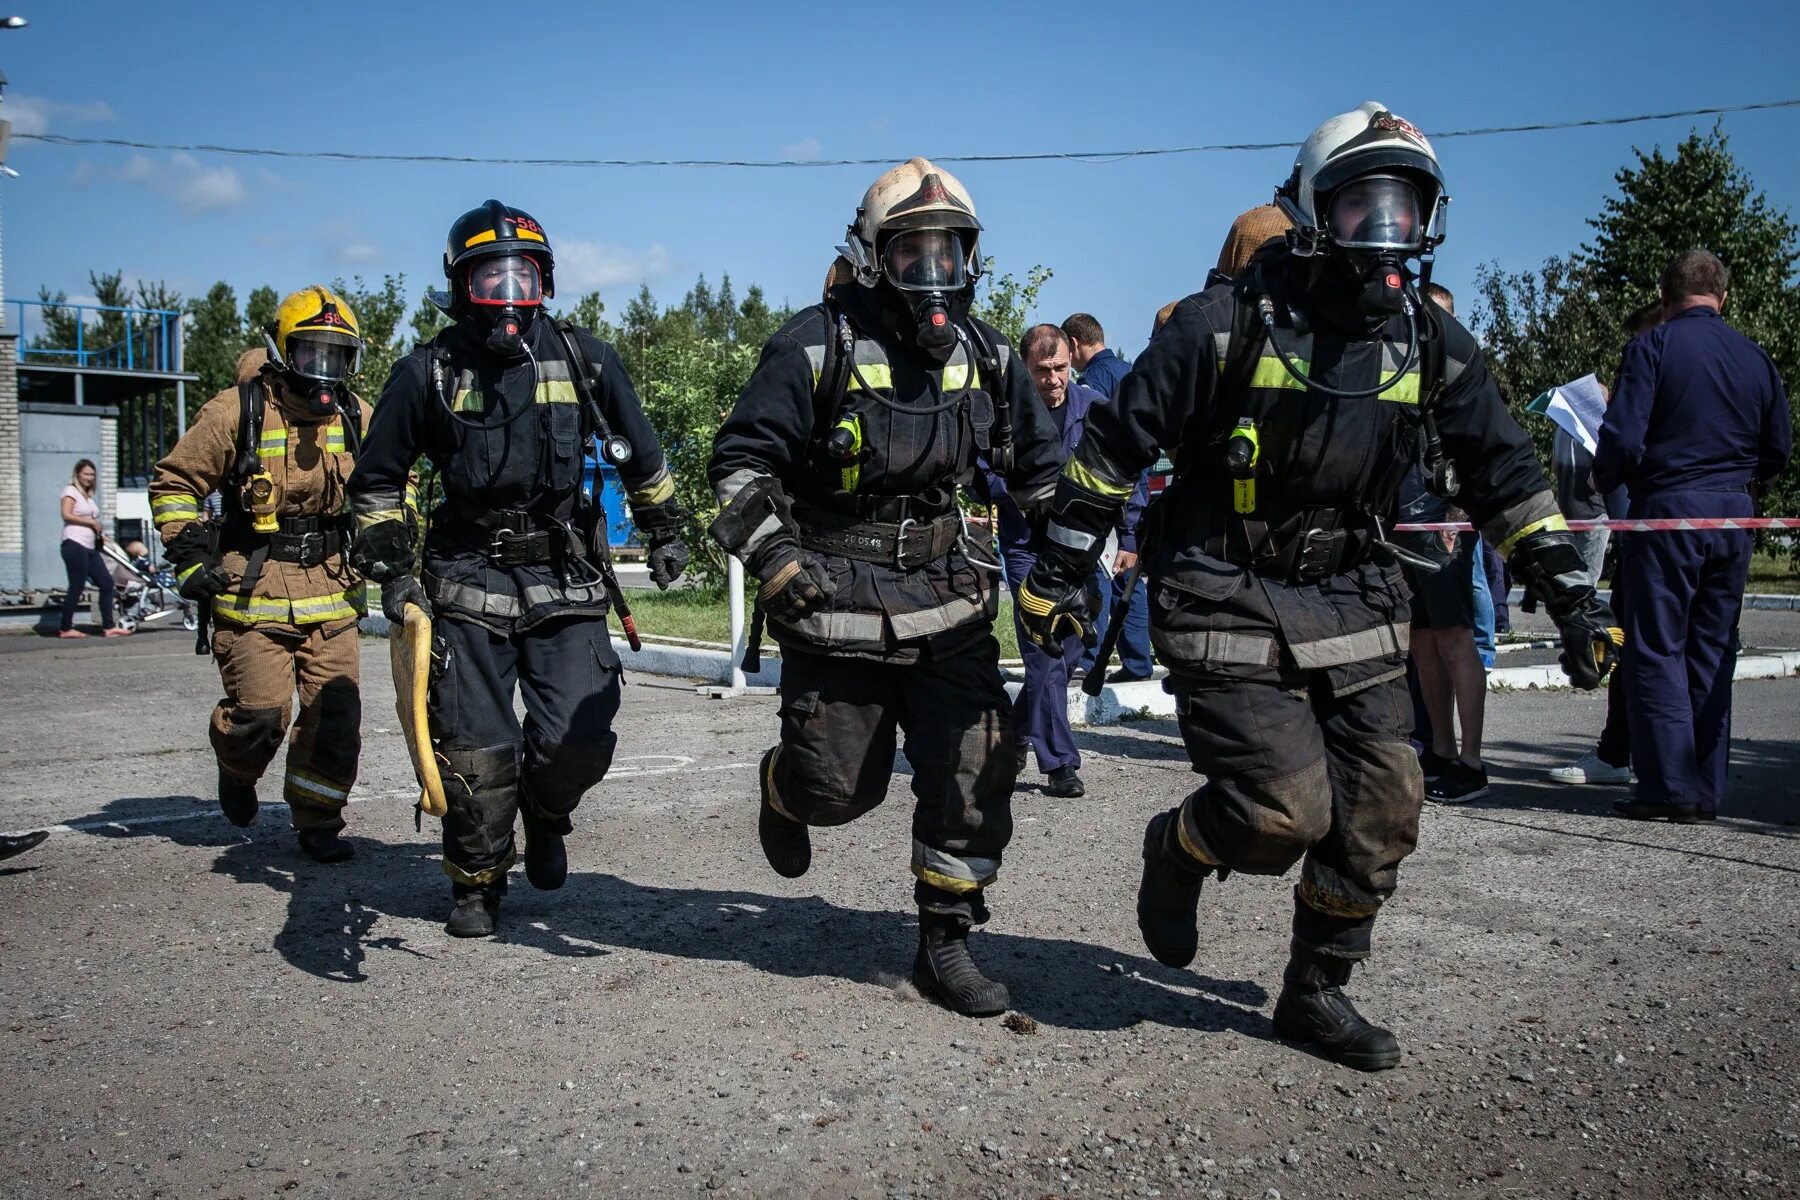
1361 685
836 626
1211 647
978 871
538 594
728 488
1529 511
556 369
815 358
1453 367
934 620
471 599
769 528
1378 642
1074 539
1221 346
1025 497
301 783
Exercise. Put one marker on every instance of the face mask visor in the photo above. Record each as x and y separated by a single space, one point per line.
1377 212
328 358
926 260
505 281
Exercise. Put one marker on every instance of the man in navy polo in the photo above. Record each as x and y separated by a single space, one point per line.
1699 415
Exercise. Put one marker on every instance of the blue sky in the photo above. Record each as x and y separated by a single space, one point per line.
818 80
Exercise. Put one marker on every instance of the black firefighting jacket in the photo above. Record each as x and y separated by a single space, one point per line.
908 467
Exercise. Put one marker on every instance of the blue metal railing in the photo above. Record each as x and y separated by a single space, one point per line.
151 338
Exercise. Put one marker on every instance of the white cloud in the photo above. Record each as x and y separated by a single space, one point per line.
39 114
583 266
354 254
805 150
197 187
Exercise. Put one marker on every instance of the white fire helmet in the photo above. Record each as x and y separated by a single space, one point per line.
1398 201
933 210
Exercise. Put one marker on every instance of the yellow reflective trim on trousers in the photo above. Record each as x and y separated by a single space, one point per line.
1554 524
948 883
164 509
309 787
274 610
657 491
1271 373
327 608
1079 474
479 878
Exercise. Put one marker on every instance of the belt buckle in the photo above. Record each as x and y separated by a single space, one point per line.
900 543
1318 553
311 549
497 546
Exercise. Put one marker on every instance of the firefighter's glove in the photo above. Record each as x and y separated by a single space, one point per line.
1056 602
667 559
397 593
198 575
1552 570
383 551
667 552
794 583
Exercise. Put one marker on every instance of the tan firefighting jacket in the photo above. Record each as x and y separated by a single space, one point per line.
309 463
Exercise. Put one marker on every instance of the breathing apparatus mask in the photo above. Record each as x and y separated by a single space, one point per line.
929 269
506 291
1376 221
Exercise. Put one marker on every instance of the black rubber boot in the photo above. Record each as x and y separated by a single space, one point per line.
11 844
237 799
1313 1009
546 859
325 846
1168 902
944 969
785 842
477 910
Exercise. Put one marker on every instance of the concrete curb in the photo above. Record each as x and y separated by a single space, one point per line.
1767 601
1759 666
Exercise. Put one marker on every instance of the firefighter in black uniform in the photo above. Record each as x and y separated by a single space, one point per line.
1294 399
504 403
838 473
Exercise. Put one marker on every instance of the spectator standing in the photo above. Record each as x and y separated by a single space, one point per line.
1610 761
1699 415
82 534
1102 370
1040 714
1452 679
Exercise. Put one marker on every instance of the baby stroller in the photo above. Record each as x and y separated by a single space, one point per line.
148 593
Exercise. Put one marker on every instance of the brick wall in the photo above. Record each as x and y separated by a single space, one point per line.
109 473
12 516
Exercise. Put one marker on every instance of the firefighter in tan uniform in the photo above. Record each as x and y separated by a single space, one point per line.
275 568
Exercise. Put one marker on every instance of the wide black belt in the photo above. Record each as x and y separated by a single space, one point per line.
303 541
905 544
518 538
1310 545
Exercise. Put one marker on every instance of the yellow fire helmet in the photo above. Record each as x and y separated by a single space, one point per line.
316 336
916 195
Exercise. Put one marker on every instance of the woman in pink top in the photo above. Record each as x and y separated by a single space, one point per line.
82 534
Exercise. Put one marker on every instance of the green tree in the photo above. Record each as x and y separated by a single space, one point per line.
379 310
216 335
1005 302
1546 327
426 322
259 311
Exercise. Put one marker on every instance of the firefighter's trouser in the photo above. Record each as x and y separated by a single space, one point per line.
495 767
839 719
1294 771
261 668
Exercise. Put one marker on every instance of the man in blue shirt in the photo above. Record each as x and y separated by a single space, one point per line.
1699 414
1102 370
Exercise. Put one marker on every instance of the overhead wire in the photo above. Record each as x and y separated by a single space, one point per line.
1090 156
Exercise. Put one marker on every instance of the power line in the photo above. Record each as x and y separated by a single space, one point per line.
1094 156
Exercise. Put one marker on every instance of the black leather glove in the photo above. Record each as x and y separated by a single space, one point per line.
667 558
794 583
198 575
383 551
397 593
1056 602
1551 568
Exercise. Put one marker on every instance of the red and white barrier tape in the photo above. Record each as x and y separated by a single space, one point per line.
1653 525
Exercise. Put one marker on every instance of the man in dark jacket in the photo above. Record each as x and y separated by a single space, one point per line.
1294 402
837 474
1699 416
505 404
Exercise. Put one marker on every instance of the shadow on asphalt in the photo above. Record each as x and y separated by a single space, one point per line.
332 911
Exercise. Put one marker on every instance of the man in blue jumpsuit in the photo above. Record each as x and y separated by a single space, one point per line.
1698 415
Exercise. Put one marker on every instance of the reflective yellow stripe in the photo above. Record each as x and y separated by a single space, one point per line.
1075 472
556 391
1270 373
948 883
164 509
328 608
468 400
486 235
314 789
1553 523
659 490
273 445
181 576
270 610
334 439
876 375
960 375
365 519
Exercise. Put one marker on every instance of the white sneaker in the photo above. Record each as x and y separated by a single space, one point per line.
1592 769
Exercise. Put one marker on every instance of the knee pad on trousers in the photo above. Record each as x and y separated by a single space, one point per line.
556 774
482 791
337 736
250 739
1263 827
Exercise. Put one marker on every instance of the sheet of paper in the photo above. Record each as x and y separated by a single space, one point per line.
1579 407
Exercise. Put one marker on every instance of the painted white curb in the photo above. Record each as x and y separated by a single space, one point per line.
1760 666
